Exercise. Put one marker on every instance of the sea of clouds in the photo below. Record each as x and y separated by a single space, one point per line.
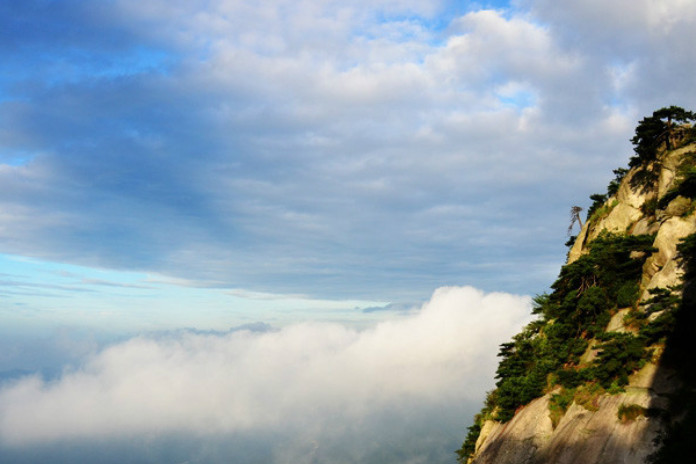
400 391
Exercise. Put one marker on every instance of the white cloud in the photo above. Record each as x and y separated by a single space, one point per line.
644 18
303 377
649 40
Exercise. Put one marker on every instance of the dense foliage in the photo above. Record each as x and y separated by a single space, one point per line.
547 353
663 128
585 295
666 129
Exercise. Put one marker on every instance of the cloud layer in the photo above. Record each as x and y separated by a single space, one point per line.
365 150
404 386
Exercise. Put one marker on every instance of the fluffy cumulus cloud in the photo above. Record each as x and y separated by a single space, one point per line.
306 393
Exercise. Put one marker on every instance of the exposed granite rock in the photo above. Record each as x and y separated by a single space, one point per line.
678 207
616 323
578 247
669 164
518 441
662 269
581 437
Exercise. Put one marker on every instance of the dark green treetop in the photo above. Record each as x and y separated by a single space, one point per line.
653 131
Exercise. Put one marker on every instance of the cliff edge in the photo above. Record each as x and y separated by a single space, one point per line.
595 377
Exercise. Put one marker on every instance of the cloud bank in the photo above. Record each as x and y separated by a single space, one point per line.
309 392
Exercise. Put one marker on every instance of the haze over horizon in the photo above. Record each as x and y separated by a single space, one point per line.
206 203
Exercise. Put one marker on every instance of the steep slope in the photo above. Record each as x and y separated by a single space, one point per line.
590 381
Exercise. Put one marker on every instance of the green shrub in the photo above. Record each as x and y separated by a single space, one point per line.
666 302
687 255
598 200
588 395
627 294
619 356
571 241
630 412
635 319
603 211
572 378
558 405
649 207
469 446
615 388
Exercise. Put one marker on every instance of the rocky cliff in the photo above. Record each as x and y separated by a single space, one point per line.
590 381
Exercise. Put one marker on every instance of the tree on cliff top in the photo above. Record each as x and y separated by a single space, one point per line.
653 131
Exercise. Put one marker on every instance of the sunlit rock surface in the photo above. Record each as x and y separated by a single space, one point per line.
596 434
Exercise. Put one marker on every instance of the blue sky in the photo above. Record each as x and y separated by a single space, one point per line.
205 165
179 149
360 152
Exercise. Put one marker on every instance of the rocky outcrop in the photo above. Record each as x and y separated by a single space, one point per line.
662 269
589 433
582 436
594 433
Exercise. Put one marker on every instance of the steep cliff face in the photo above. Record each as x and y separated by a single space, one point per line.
583 408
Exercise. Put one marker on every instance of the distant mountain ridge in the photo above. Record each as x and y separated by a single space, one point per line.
602 375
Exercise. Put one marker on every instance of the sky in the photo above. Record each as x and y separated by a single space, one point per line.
282 188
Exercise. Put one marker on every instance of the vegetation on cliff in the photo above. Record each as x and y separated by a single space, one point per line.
568 351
